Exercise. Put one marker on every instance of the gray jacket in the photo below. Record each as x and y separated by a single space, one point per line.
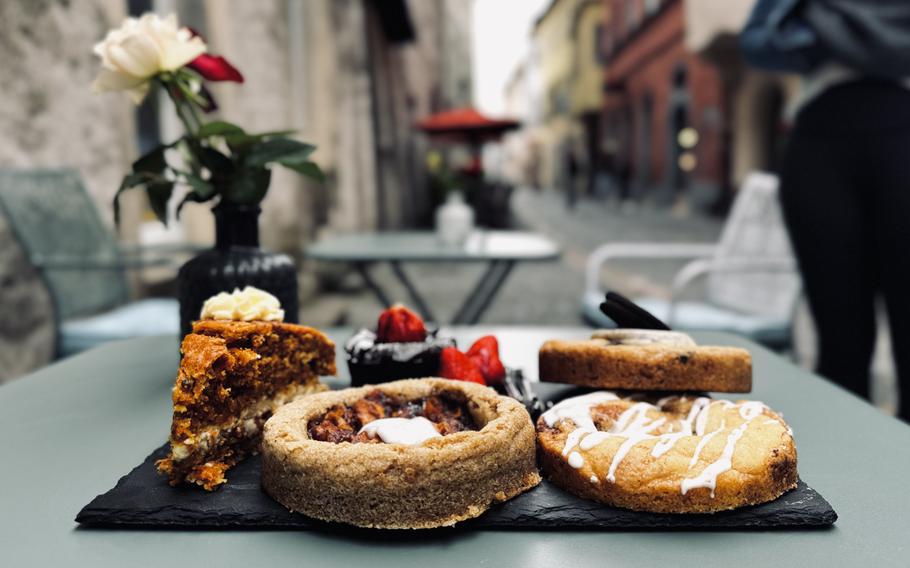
870 36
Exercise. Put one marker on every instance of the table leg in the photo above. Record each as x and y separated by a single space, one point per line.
483 293
363 269
418 300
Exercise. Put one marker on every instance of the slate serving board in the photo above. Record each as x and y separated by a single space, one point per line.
143 499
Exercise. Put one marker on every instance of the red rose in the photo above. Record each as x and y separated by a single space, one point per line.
215 68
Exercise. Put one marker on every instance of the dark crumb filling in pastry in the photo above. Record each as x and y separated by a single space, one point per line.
342 423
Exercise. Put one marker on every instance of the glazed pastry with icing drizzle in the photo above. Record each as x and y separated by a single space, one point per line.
676 454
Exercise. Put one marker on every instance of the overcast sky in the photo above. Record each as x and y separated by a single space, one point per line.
502 31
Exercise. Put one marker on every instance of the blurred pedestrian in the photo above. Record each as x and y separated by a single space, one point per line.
845 179
572 171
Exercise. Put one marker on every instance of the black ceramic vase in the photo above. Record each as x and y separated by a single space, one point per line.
235 262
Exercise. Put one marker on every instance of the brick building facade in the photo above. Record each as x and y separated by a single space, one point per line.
655 90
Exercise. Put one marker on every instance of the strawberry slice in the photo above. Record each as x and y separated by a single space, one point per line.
485 354
453 364
398 324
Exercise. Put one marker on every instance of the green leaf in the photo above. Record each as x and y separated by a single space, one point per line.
276 149
188 198
200 191
305 168
159 193
152 162
239 143
274 134
129 181
220 165
219 128
249 186
199 186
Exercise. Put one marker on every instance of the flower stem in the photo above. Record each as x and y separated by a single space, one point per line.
172 88
173 93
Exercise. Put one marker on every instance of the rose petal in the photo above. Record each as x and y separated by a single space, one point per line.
136 55
215 68
178 53
137 94
109 80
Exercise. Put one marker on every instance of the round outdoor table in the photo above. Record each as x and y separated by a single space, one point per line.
502 250
69 431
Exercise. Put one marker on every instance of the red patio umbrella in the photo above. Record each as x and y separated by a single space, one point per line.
466 125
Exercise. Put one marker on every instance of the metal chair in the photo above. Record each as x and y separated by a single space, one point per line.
752 286
54 219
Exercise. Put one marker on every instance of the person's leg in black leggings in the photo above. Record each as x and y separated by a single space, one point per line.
889 173
827 220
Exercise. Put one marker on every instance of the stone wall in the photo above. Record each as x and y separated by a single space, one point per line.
49 118
321 67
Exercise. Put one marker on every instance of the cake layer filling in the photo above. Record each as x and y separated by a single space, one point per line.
253 369
444 412
247 425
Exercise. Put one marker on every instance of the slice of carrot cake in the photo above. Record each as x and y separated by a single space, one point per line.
240 363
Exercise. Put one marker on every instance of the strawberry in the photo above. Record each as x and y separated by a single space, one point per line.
453 364
398 324
485 353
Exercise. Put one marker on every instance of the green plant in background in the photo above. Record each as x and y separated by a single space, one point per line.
214 159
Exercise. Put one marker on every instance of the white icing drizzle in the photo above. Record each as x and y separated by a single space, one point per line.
636 414
593 439
698 414
773 421
572 440
702 421
575 460
667 441
577 409
751 409
708 477
704 442
635 426
405 431
643 337
634 438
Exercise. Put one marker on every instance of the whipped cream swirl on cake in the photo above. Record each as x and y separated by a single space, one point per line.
249 304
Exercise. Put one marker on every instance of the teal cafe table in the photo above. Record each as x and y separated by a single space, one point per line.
69 431
500 250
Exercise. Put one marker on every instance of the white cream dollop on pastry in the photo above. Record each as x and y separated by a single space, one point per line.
249 304
406 431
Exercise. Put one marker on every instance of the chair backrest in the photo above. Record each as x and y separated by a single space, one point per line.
755 231
54 218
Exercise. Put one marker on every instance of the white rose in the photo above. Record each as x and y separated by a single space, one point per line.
140 49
